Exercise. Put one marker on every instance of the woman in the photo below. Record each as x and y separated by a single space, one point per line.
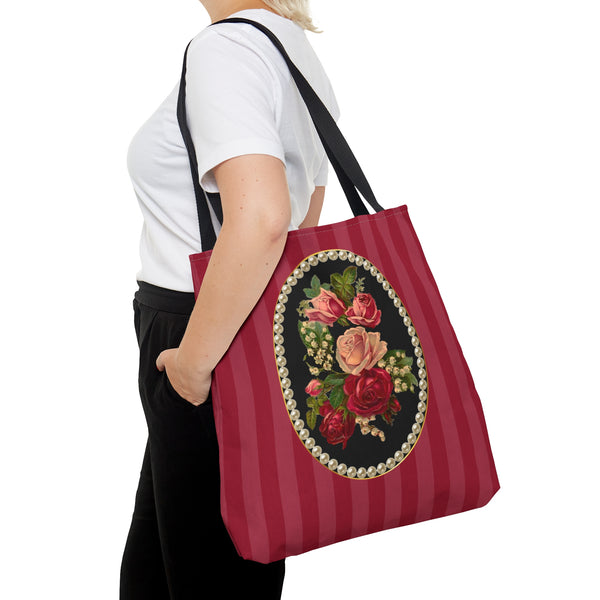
256 145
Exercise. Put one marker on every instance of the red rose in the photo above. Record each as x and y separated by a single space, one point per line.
364 311
314 387
369 393
335 428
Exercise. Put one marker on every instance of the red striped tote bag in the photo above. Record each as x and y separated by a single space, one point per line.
344 405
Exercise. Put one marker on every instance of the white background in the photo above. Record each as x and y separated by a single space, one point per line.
481 116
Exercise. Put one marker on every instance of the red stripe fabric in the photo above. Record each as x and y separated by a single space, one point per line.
277 500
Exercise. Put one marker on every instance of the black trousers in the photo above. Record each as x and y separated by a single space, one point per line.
178 547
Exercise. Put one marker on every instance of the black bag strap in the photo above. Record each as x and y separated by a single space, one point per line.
348 171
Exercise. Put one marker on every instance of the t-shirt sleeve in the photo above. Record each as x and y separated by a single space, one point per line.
232 103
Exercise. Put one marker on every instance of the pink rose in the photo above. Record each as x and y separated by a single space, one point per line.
328 308
364 311
314 387
335 428
369 393
358 349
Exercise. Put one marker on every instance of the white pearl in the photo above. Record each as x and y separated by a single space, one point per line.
351 472
386 286
285 383
279 349
299 424
359 260
298 273
332 464
416 428
407 320
390 463
294 415
305 266
397 302
342 469
381 467
343 254
304 433
406 448
411 438
361 473
291 404
371 471
324 458
280 308
322 256
421 406
309 443
398 456
317 450
288 393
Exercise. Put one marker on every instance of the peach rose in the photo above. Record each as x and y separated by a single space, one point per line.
358 349
364 311
328 308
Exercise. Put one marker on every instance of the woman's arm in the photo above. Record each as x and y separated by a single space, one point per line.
256 216
314 209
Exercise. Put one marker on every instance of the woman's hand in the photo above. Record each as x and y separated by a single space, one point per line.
190 382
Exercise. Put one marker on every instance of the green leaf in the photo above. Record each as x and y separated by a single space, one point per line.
412 379
408 360
310 293
326 286
343 320
350 274
315 283
311 418
336 397
335 379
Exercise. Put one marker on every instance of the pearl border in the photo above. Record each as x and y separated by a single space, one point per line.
332 464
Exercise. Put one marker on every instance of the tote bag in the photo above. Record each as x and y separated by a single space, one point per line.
344 405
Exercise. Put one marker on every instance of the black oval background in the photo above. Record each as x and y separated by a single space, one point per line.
361 450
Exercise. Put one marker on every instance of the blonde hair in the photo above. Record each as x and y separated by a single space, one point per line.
296 10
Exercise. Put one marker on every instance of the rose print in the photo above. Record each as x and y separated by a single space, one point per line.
363 392
328 308
336 428
364 311
358 349
369 393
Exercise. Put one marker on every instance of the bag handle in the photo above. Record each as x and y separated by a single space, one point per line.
347 169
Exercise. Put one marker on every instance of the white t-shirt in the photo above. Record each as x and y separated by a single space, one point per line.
240 99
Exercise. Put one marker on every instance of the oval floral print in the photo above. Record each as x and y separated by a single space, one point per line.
351 368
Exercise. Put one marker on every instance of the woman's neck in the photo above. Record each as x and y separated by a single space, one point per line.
221 9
